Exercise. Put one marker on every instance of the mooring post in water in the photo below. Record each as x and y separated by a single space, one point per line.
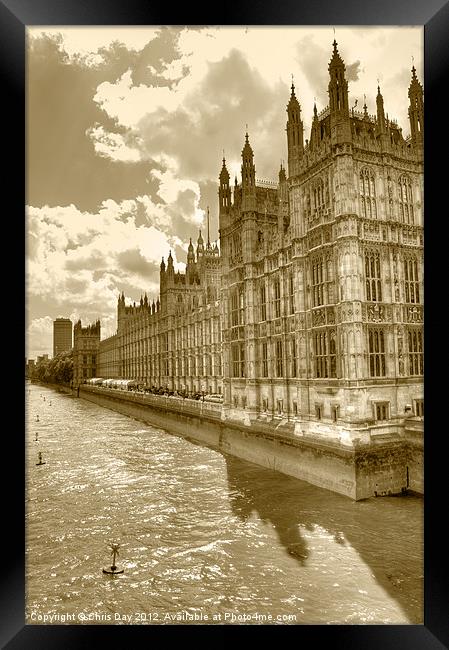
113 570
37 419
41 462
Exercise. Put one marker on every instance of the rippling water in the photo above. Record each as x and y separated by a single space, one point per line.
201 533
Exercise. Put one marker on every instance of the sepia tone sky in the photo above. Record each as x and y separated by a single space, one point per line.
126 129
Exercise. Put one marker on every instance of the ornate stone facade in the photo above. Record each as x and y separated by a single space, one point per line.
86 347
174 342
322 274
311 313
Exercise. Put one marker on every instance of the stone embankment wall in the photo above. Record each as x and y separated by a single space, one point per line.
357 472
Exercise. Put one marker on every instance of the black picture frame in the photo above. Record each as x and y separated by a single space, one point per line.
15 16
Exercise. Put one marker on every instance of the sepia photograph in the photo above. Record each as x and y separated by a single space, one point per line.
224 365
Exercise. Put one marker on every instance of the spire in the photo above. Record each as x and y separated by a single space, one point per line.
247 151
380 111
415 85
365 108
224 190
224 174
208 228
190 253
162 266
200 246
338 86
248 168
315 136
336 60
282 176
416 109
293 103
170 267
295 133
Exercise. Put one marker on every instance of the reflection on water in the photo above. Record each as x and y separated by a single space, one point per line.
201 533
385 533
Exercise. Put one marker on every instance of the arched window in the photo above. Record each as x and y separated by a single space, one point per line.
277 298
237 307
318 195
368 194
318 200
376 341
325 354
415 352
263 302
406 200
411 280
373 279
318 278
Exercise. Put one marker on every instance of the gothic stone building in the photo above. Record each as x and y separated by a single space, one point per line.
86 346
312 311
322 275
175 342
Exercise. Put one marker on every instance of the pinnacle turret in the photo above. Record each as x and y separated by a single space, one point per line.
248 168
416 109
295 133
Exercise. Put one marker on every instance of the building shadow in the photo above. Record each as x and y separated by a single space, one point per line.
384 532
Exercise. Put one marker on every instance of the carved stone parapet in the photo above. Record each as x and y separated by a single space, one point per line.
413 314
376 313
348 312
318 317
330 315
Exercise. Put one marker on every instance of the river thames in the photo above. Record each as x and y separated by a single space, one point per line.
205 538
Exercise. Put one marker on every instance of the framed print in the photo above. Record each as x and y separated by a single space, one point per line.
225 330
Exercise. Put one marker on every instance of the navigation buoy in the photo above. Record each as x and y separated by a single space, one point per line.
41 462
113 569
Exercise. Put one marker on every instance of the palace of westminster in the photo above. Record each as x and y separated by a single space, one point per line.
311 311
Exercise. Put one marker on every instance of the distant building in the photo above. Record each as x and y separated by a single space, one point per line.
29 367
42 357
62 335
86 344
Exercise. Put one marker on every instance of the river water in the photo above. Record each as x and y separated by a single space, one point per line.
205 537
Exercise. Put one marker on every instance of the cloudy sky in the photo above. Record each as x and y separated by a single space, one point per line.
126 129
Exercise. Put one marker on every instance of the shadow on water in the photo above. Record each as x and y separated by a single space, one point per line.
387 533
